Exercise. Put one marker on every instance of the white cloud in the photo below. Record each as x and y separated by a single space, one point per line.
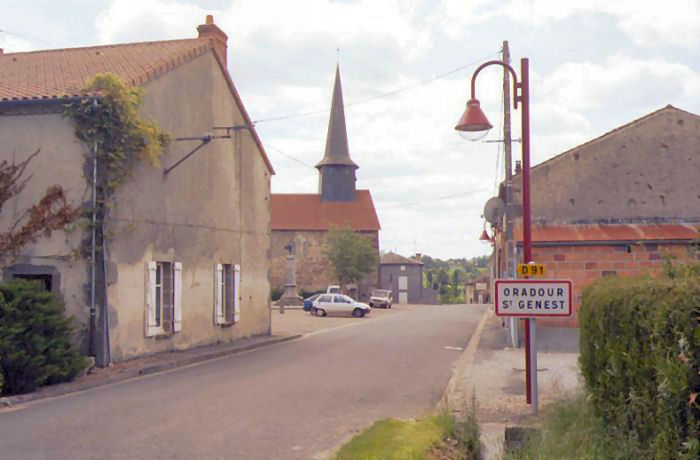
142 20
647 23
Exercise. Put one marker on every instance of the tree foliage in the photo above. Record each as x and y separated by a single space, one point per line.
50 213
35 338
352 255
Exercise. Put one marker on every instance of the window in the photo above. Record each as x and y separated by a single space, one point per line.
164 298
325 298
403 268
341 299
46 275
227 281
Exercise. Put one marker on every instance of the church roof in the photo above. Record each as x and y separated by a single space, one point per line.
391 258
337 150
308 212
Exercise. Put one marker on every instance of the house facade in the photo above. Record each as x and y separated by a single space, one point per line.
404 278
186 259
618 205
303 220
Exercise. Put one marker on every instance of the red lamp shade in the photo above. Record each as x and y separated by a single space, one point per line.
473 118
484 236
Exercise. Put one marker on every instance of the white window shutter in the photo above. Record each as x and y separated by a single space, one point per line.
177 296
236 293
218 291
151 328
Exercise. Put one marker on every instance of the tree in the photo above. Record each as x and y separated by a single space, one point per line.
443 280
51 212
457 280
351 255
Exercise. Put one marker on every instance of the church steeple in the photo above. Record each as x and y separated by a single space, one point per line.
336 169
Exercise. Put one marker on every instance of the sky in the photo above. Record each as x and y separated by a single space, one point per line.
405 67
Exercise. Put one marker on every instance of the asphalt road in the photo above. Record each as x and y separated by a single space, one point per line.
294 400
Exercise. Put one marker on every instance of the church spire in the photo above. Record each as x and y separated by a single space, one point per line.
336 169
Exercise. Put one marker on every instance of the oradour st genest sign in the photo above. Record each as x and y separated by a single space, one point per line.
533 298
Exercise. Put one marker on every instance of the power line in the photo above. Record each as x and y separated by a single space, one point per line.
380 96
289 156
445 197
24 37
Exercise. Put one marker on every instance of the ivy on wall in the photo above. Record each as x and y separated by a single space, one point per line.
114 126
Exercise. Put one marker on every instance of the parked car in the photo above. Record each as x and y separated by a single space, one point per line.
339 303
309 302
381 298
333 289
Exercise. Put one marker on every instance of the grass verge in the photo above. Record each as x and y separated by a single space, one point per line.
570 429
441 436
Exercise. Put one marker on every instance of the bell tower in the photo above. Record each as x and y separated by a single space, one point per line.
336 170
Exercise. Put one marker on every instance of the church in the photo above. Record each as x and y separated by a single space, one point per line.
303 220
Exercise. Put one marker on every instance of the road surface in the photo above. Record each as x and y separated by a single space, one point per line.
297 399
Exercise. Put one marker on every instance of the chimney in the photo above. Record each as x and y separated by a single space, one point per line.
212 32
418 257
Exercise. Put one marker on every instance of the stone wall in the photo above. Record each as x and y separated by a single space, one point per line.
313 270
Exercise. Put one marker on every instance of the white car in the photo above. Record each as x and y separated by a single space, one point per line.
339 303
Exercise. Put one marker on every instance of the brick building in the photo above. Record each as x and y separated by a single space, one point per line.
303 220
616 205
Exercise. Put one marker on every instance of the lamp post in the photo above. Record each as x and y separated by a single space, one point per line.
474 121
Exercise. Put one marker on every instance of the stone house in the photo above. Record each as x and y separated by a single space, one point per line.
478 290
404 278
618 204
303 220
187 260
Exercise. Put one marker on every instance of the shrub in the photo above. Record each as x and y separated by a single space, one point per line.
35 338
640 358
276 293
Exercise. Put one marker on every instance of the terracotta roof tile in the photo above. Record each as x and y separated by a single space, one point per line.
391 258
307 212
59 73
609 232
49 74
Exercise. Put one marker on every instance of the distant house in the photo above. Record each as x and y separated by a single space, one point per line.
303 220
186 261
619 204
478 290
404 278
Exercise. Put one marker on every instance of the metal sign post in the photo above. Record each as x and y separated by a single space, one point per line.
530 299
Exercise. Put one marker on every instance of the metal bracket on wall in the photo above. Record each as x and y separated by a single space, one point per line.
204 140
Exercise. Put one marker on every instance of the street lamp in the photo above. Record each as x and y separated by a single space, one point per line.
474 121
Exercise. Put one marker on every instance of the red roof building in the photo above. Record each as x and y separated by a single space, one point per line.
618 205
302 220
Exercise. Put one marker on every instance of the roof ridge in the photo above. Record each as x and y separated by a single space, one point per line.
110 45
606 134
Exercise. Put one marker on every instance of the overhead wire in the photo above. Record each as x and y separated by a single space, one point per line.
445 197
380 96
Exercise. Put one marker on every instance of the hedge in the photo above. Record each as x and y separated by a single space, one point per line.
640 358
35 338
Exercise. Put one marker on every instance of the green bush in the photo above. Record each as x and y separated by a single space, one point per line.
35 338
640 358
276 293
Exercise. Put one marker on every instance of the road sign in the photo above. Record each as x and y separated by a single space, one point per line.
531 270
533 298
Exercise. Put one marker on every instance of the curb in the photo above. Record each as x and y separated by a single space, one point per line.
464 363
140 371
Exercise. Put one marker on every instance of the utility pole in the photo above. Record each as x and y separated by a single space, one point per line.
511 323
